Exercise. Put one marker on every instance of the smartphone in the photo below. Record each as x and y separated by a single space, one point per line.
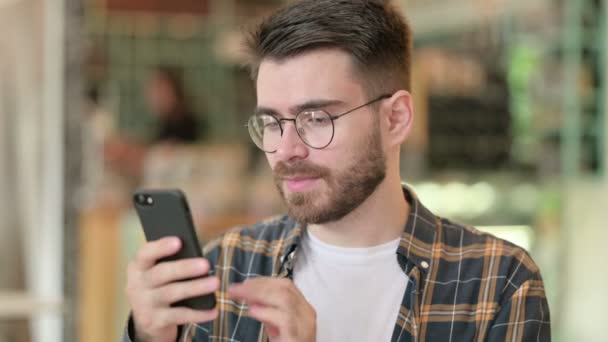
166 213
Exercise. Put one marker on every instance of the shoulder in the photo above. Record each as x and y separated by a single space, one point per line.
250 247
270 230
483 256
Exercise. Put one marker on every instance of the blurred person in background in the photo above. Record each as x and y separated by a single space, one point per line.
176 121
358 257
168 102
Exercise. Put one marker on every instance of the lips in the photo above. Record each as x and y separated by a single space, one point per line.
298 176
299 183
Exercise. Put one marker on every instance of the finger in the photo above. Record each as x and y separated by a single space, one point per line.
171 271
152 251
183 315
266 291
252 290
273 319
177 291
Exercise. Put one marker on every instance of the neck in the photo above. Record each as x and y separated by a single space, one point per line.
379 219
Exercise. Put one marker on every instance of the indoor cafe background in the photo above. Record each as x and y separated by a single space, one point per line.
510 100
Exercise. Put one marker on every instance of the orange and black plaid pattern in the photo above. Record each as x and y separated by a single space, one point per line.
464 285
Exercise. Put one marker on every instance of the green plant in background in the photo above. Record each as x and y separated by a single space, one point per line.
523 60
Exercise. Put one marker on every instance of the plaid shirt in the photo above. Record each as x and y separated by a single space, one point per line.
464 285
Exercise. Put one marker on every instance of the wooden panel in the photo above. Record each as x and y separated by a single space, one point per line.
99 246
200 7
211 227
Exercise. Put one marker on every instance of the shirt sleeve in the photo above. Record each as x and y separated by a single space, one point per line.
524 317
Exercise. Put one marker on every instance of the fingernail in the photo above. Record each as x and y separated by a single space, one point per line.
203 265
216 283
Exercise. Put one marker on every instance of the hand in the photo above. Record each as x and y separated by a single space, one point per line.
152 287
277 303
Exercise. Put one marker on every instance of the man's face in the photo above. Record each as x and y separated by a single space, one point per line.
324 185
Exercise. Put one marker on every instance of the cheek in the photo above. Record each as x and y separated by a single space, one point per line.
271 159
354 129
334 160
346 147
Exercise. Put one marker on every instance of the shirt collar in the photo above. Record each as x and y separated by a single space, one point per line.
417 238
419 233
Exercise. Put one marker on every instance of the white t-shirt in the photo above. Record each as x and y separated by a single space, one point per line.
356 292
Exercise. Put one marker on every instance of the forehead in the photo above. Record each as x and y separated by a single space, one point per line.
320 74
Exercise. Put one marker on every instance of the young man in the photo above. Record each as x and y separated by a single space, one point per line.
358 257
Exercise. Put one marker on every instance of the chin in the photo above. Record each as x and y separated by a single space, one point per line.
301 198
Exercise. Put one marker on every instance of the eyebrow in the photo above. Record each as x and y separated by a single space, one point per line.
308 105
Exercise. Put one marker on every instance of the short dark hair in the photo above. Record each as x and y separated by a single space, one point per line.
372 32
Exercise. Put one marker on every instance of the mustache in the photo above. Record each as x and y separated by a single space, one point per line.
299 168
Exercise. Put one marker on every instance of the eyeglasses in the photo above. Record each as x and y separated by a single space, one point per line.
314 127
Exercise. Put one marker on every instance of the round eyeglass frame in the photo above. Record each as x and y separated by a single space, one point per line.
294 120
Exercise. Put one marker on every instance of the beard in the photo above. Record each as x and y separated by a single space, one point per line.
346 188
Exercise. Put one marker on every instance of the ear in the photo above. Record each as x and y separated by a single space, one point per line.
399 117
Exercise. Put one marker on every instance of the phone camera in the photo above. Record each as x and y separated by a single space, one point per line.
141 199
144 200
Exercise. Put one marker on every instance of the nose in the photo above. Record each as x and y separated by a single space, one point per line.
291 145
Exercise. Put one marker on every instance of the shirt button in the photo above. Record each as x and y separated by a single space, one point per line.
424 264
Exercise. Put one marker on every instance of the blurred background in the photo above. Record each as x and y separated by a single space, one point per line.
100 97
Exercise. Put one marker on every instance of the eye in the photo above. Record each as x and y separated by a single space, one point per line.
320 120
316 119
270 123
